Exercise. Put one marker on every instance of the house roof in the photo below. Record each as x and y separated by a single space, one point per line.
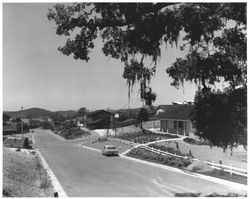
177 111
99 111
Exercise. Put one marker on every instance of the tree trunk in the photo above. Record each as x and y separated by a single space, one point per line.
143 130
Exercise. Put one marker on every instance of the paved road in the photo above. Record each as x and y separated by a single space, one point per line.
86 173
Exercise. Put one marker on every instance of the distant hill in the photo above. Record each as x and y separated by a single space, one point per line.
29 113
39 112
66 114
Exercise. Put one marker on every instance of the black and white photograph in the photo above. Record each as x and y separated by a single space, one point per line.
124 99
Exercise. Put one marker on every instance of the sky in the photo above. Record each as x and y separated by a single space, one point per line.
36 74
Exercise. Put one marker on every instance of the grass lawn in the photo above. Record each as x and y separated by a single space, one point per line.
182 164
205 153
21 175
133 128
226 176
140 137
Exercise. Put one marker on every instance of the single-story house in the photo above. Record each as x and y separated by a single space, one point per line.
176 119
100 119
10 128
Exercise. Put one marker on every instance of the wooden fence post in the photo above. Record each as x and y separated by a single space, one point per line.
231 169
212 164
220 164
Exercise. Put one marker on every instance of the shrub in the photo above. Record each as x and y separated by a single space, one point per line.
6 192
226 195
187 194
171 163
148 136
190 154
26 143
193 141
168 160
73 133
167 149
45 181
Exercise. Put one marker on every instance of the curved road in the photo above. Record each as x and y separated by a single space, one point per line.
86 173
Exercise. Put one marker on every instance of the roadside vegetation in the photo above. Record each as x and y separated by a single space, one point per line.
16 141
172 150
187 164
73 133
24 176
196 142
210 195
69 130
147 136
144 154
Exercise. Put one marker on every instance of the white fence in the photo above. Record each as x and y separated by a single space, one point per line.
232 170
152 149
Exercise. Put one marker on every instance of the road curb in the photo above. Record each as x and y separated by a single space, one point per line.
56 184
209 178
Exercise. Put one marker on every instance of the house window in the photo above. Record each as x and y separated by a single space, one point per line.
180 124
175 124
193 125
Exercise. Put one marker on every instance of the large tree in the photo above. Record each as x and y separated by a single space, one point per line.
82 111
214 40
142 116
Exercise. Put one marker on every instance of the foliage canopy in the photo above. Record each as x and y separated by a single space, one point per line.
214 42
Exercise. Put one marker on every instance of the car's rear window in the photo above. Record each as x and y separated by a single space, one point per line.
110 147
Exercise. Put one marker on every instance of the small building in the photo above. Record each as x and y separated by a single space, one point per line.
100 119
25 121
176 119
10 128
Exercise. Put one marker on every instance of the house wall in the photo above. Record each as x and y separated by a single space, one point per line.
169 126
191 130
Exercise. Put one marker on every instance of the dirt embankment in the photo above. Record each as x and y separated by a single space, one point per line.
23 175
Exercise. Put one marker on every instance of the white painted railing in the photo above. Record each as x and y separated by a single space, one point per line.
160 152
164 140
230 169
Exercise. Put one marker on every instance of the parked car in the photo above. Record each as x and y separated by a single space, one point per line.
32 152
110 150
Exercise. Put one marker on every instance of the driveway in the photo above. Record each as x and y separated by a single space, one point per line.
86 173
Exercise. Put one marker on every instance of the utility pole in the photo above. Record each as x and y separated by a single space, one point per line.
21 122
